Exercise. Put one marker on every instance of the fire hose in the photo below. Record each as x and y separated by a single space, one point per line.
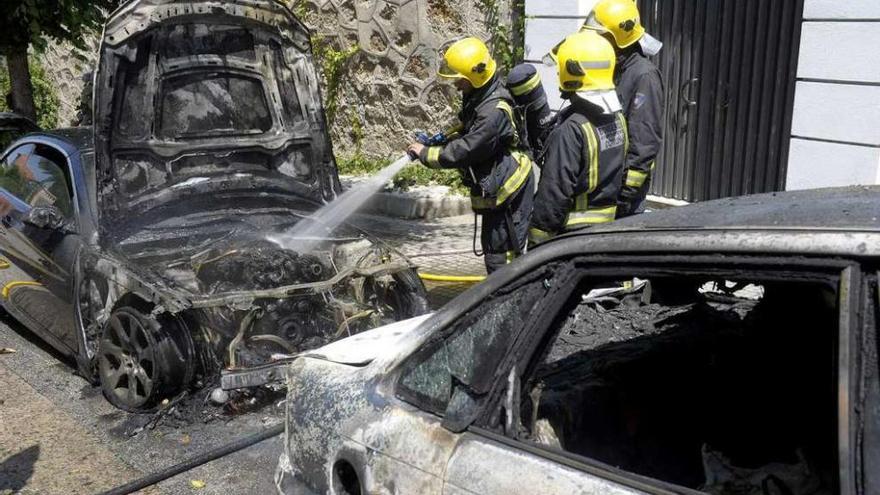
464 279
204 458
436 277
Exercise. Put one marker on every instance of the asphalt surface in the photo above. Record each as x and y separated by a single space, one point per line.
59 435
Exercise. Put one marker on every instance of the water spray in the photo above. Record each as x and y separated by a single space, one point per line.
311 231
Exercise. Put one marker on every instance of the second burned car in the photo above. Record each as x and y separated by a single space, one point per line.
209 140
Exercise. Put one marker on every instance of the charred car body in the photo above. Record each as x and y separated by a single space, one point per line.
743 359
150 259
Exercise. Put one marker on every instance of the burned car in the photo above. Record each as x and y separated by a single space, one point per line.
725 347
157 257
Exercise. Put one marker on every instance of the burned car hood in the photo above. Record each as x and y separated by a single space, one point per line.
210 244
195 97
363 348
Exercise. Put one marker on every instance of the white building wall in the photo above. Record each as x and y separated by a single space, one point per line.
547 23
836 120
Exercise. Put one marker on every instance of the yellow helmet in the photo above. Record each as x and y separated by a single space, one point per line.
469 59
585 62
618 17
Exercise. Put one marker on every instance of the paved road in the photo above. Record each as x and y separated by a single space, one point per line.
59 435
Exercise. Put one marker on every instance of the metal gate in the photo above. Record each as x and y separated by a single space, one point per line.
729 71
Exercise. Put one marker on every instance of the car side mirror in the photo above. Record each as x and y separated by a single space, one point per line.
47 217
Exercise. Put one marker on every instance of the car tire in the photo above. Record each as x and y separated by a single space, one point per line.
140 362
410 299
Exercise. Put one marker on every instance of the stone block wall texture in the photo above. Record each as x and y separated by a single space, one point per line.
387 89
66 70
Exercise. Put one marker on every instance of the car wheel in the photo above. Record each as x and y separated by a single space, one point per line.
139 363
409 297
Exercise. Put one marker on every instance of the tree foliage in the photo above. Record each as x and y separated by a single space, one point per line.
32 22
46 100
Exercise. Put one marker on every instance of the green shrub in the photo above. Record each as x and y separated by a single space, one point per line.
419 175
413 175
45 99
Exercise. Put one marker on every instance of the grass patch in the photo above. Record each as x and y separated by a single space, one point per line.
413 175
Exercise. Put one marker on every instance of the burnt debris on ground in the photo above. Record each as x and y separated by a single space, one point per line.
199 407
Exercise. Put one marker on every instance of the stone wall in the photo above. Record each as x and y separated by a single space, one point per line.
66 68
386 88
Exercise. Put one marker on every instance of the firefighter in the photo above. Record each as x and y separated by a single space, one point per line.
488 152
641 94
584 155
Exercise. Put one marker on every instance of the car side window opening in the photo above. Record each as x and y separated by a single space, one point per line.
724 386
469 356
37 175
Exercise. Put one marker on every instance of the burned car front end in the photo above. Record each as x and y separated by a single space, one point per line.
342 418
211 146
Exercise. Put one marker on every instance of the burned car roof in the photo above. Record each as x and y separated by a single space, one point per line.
855 208
836 221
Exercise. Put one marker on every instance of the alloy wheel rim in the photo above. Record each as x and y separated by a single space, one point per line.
127 360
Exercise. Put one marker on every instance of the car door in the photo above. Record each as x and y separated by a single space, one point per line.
484 462
515 469
648 391
447 381
38 292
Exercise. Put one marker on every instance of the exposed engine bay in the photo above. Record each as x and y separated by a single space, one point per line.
303 301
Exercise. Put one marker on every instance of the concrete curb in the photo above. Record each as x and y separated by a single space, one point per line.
423 202
432 202
410 206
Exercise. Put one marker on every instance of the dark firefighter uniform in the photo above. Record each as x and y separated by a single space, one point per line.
583 157
641 94
499 174
582 173
640 90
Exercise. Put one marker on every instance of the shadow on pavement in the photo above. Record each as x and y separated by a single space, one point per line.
16 470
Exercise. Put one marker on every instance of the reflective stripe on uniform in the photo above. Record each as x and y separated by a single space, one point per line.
537 235
509 257
581 201
510 187
503 105
517 178
456 129
636 178
506 108
527 86
622 120
591 216
433 158
593 170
